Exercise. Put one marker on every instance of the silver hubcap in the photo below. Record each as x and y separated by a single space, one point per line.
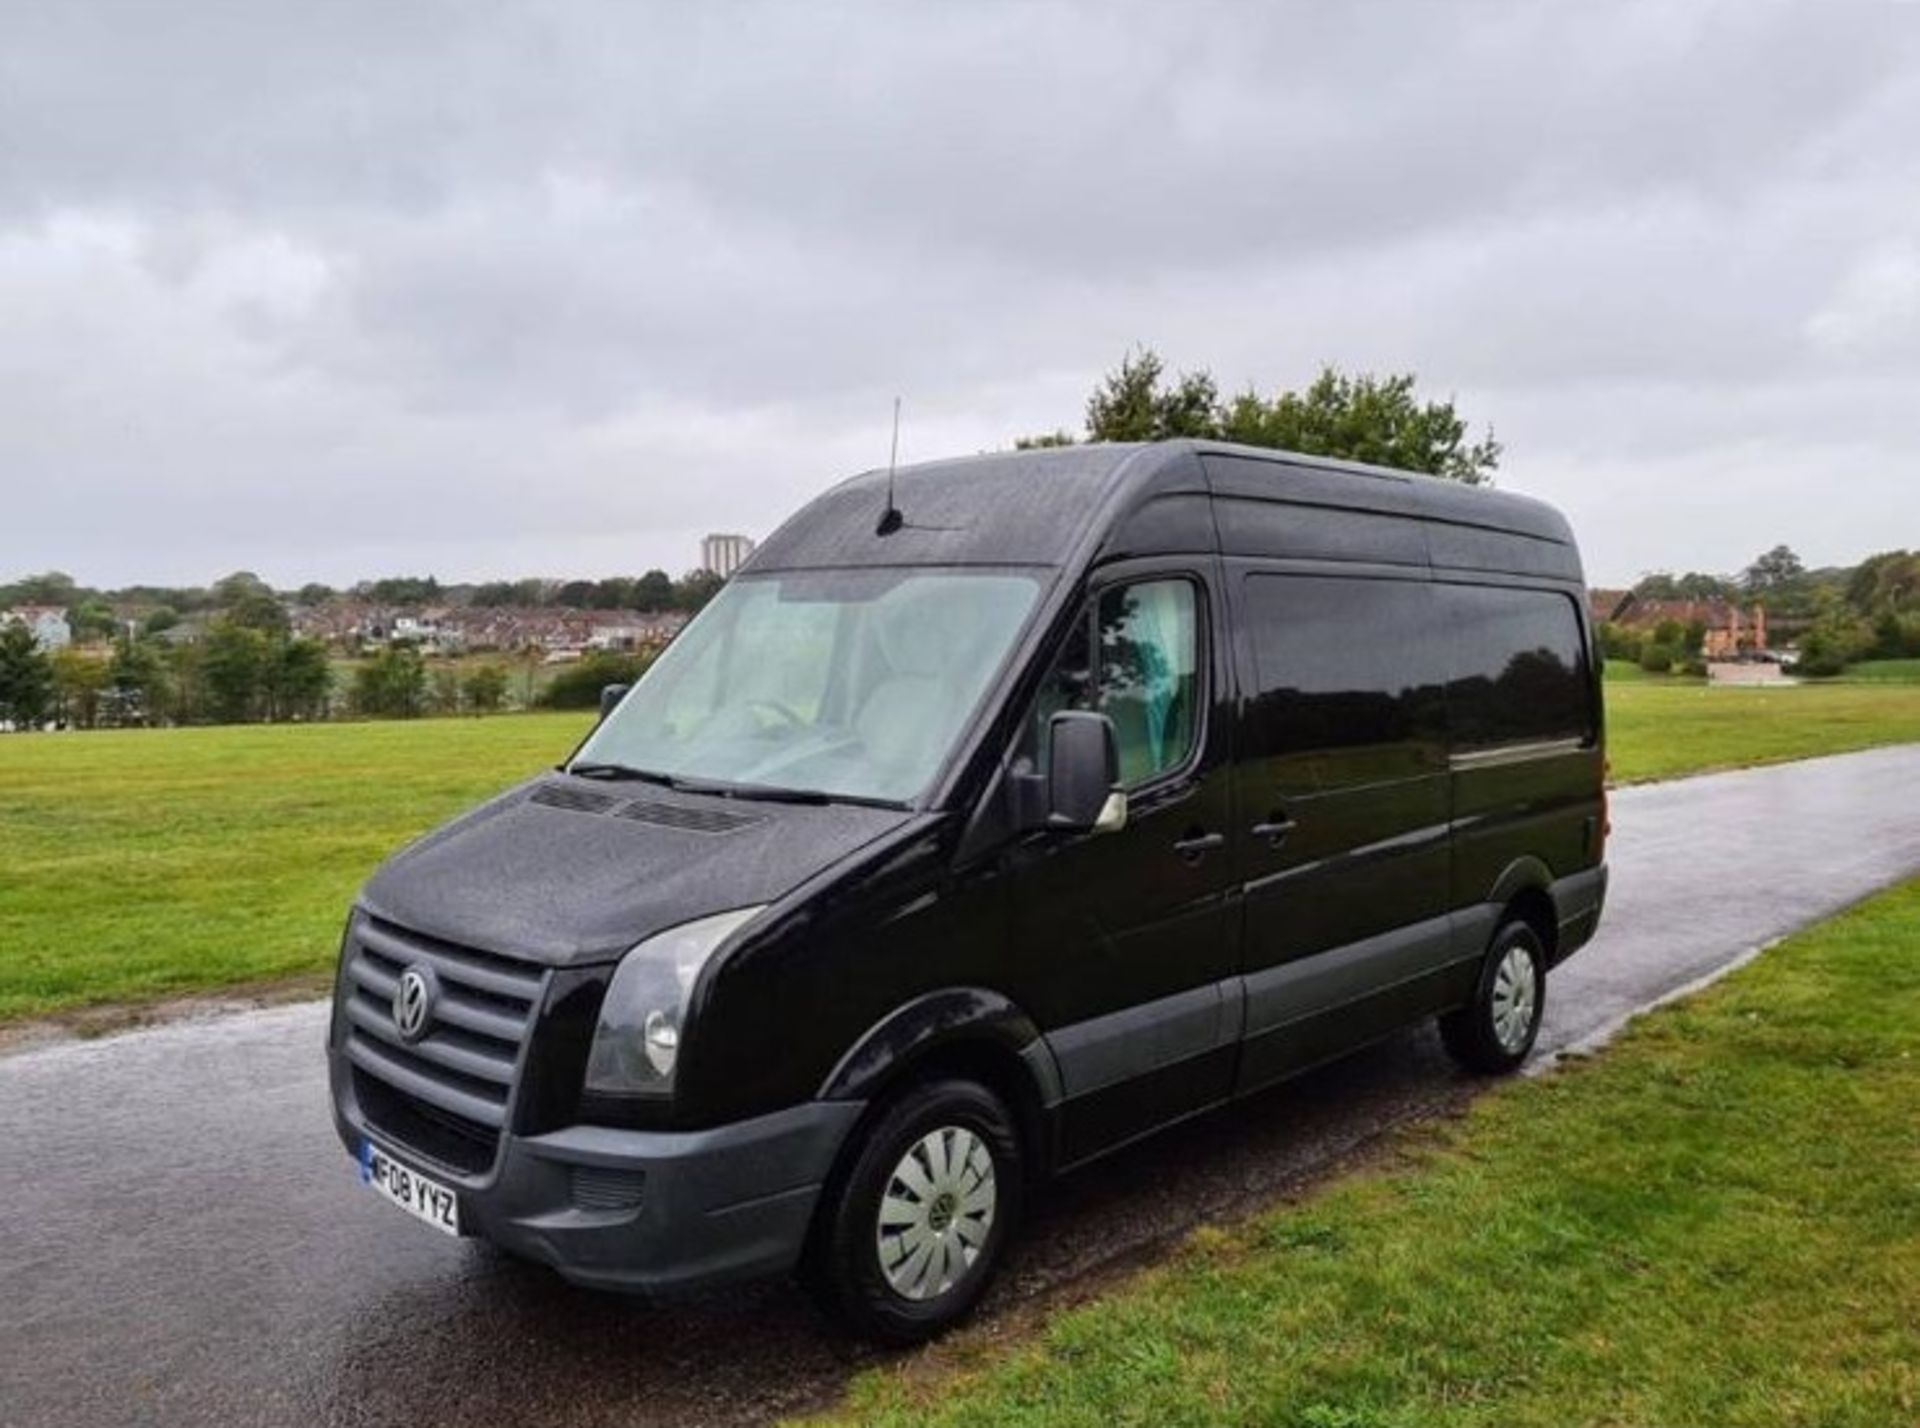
1516 994
936 1212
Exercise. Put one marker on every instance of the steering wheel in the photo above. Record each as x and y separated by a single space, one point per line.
786 715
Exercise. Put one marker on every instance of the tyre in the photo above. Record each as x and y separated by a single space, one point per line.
912 1231
1494 1032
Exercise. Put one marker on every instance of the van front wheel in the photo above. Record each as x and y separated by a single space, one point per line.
1494 1032
915 1228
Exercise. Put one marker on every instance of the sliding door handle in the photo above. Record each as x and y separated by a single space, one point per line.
1197 845
1274 830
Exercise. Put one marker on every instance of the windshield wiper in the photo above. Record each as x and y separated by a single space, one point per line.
612 772
764 793
721 788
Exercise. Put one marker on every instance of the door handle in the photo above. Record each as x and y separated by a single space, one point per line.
1197 845
1275 829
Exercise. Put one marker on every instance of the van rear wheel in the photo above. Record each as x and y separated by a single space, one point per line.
1494 1032
913 1231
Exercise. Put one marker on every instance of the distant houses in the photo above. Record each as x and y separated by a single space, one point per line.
47 622
556 633
1728 630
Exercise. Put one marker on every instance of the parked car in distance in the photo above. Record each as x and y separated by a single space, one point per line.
994 815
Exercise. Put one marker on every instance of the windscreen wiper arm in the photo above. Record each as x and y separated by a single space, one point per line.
612 772
764 793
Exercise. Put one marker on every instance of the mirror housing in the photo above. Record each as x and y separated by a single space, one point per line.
1083 774
610 695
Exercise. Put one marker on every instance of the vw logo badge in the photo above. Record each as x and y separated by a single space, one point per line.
413 1003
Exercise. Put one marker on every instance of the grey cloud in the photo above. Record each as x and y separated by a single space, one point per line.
506 287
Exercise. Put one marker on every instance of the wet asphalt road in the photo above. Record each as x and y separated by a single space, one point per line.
182 1240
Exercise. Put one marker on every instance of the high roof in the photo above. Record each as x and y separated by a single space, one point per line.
1039 507
1007 508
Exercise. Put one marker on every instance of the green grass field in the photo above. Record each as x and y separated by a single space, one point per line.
1714 1223
1664 728
142 864
1884 671
146 864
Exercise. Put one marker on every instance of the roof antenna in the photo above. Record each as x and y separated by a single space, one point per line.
890 519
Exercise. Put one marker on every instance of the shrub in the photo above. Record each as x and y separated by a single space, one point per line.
579 685
485 689
391 685
1656 658
1619 642
1821 656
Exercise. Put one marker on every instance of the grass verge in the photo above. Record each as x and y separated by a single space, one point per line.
1717 1222
147 864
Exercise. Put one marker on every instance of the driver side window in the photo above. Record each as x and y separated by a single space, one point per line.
1134 657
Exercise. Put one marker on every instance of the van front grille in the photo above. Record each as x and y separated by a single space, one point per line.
447 1092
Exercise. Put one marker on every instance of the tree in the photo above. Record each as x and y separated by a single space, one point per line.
78 680
1130 404
49 587
1885 583
653 591
314 593
1694 585
1366 418
1835 639
485 689
186 677
1777 572
496 592
1359 418
93 619
696 588
1698 585
402 590
443 689
233 664
262 612
163 617
1620 642
297 679
229 590
26 679
1059 436
391 685
613 593
137 683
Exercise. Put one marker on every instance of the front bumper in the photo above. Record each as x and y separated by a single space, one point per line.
652 1212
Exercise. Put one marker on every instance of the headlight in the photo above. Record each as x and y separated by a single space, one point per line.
638 1039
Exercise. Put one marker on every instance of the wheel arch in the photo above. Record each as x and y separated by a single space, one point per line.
1525 891
962 1031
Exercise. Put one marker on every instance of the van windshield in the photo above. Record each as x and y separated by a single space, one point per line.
851 684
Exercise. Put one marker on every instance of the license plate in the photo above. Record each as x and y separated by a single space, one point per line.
420 1197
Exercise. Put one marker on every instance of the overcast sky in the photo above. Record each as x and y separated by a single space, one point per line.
332 290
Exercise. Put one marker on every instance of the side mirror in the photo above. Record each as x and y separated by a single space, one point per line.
610 695
1082 773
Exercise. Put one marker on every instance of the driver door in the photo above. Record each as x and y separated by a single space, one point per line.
1128 939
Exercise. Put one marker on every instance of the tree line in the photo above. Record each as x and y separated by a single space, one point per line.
1355 417
241 673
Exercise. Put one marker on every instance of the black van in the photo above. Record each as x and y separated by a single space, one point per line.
990 818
